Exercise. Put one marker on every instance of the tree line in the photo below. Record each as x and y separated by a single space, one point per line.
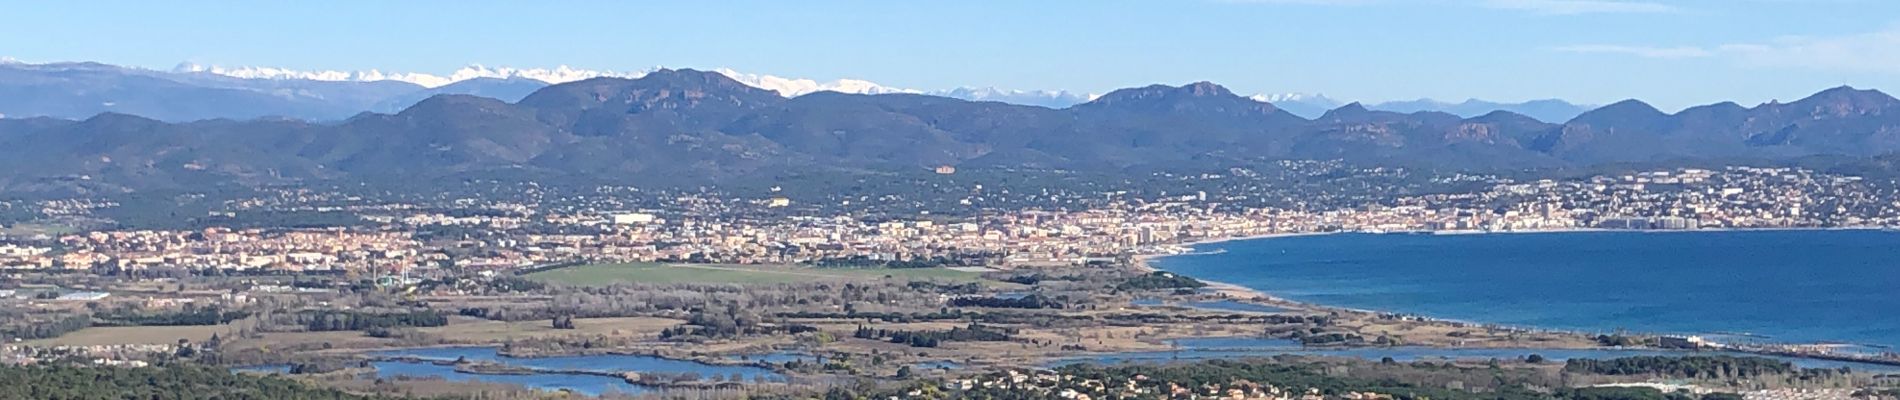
330 320
179 382
50 328
1032 302
1160 280
190 316
1714 367
972 333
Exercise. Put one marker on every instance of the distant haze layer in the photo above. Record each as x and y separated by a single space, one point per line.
81 90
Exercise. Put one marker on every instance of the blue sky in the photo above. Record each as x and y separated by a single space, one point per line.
1672 53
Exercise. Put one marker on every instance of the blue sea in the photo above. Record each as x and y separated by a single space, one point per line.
1801 286
1241 347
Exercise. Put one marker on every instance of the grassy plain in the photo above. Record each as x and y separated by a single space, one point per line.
658 273
29 229
123 335
469 330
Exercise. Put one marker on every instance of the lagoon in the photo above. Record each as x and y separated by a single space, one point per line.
579 383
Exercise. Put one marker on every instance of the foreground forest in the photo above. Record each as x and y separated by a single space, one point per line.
1286 377
176 382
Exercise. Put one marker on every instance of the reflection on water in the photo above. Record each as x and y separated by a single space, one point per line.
940 364
579 383
592 385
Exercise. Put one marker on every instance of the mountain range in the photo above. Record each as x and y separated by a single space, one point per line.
81 90
1313 106
704 125
191 92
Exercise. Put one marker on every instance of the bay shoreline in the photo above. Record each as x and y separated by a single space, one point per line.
1144 263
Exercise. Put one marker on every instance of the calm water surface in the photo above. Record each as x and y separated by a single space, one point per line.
1787 286
1233 348
580 383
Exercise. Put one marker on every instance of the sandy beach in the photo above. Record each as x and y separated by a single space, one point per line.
1228 289
1417 330
1141 262
1424 330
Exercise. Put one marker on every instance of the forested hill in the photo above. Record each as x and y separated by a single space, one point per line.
697 125
172 382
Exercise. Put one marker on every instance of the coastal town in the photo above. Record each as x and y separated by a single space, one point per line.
953 200
450 270
768 230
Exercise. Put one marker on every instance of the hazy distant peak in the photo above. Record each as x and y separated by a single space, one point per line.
1044 98
510 83
1295 97
1496 116
1629 106
557 75
794 87
787 87
1848 96
1352 110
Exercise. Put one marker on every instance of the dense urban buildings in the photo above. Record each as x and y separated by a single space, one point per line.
473 233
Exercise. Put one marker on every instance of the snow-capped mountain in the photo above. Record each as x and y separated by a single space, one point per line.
1045 98
792 87
1286 97
1302 104
556 75
251 92
788 87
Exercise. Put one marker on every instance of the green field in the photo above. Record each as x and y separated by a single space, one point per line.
128 335
607 274
29 229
